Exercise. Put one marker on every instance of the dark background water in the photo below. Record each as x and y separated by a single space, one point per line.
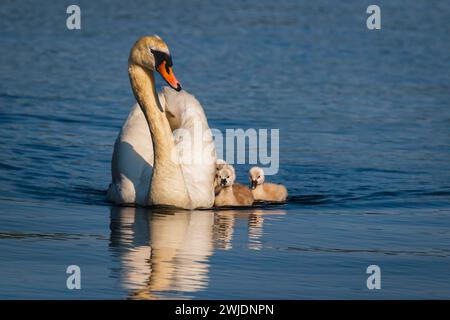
364 123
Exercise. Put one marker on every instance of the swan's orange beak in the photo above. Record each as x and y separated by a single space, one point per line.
167 73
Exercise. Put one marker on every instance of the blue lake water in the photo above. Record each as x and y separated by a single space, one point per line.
364 121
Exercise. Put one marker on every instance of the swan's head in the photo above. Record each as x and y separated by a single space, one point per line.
153 54
226 176
256 176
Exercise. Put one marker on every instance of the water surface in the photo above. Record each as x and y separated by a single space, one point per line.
364 125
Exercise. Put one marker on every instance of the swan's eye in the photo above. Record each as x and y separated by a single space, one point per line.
160 57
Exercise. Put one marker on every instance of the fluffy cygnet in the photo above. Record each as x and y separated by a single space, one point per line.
220 164
231 194
265 191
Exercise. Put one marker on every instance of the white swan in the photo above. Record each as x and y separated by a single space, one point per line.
151 167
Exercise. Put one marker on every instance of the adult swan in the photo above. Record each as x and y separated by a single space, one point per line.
173 163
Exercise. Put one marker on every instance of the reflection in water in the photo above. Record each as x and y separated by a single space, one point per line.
255 225
223 230
224 221
161 251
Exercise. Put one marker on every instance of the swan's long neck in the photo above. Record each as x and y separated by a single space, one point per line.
168 186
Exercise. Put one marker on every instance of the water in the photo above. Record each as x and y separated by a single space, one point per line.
364 125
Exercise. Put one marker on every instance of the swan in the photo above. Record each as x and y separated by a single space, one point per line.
149 164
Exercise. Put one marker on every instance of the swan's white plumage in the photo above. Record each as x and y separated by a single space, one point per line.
133 156
132 162
198 149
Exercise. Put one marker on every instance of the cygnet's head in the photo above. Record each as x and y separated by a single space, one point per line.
256 176
152 53
220 163
226 176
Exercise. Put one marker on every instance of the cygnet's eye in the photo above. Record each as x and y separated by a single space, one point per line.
228 177
259 177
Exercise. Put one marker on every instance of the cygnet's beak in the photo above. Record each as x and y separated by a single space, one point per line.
167 73
223 182
254 184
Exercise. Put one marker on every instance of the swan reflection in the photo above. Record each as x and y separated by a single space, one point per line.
166 253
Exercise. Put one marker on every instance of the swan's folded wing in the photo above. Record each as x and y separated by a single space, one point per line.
194 143
132 161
